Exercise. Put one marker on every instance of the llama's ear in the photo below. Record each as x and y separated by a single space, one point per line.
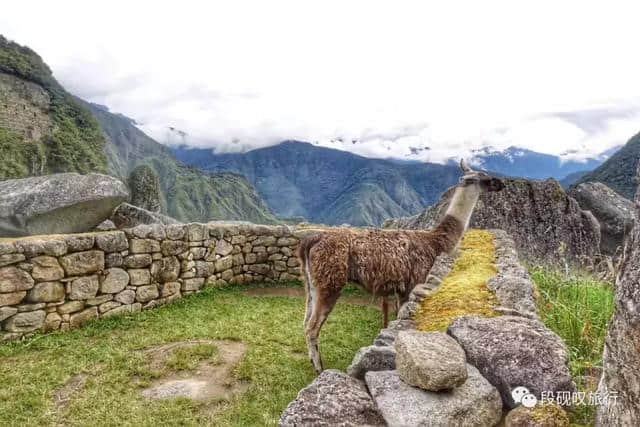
464 166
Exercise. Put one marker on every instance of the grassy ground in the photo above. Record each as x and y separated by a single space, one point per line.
577 308
109 352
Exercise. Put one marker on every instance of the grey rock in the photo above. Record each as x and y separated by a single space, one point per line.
80 263
106 225
174 247
147 293
126 297
551 415
512 285
12 298
8 259
46 292
139 277
166 269
79 242
84 316
84 288
332 399
192 284
59 203
113 260
13 279
129 216
431 361
25 322
138 260
114 281
46 268
6 312
546 224
372 358
143 246
145 188
223 248
613 212
621 359
71 307
512 351
169 289
475 403
113 241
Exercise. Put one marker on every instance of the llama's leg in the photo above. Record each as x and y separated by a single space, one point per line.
310 292
325 300
385 312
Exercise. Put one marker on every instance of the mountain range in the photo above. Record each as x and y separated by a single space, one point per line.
520 162
619 171
323 185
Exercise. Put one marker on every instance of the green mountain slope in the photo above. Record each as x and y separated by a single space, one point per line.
619 172
187 194
323 185
42 128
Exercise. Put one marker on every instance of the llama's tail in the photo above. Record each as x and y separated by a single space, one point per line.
304 247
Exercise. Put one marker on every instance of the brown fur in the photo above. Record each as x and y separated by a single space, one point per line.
382 262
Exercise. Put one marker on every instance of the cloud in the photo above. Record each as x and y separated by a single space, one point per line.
396 80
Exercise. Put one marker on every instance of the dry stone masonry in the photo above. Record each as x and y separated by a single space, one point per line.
463 377
61 281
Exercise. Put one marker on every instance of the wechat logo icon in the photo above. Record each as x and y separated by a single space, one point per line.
524 396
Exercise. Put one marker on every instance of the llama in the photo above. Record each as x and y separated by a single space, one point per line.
382 262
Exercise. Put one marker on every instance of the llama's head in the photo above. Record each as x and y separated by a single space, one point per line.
484 181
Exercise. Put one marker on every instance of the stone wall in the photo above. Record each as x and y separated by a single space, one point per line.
24 107
61 281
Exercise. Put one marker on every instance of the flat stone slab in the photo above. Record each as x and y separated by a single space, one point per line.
514 351
58 203
474 403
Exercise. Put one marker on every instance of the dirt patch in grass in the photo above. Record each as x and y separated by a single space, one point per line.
199 370
63 395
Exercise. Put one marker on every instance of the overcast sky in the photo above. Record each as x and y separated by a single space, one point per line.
553 77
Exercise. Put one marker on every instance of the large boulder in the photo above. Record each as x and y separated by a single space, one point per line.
546 224
60 203
332 399
514 351
620 380
474 403
129 216
145 188
613 212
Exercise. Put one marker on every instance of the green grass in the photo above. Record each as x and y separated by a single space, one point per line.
577 308
111 352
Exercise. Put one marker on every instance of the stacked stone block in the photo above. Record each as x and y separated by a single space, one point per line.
62 281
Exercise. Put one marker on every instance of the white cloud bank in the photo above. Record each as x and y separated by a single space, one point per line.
554 77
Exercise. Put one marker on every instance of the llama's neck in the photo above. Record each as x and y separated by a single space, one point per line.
456 218
463 203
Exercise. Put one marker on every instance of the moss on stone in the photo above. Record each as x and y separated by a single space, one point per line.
464 291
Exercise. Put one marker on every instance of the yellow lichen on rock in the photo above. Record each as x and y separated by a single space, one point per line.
464 291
